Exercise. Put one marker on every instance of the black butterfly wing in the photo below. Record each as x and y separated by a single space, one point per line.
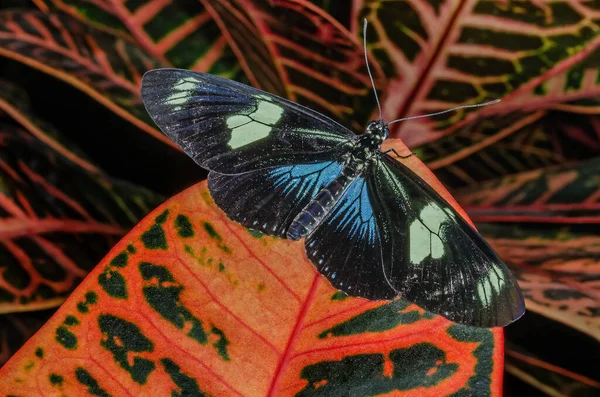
347 247
229 127
429 254
268 199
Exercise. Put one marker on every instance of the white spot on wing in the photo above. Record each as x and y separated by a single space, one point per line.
424 241
246 129
181 92
419 242
433 216
490 285
437 247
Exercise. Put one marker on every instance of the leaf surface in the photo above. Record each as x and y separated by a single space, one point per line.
106 67
550 379
294 49
58 213
544 223
533 55
190 303
179 34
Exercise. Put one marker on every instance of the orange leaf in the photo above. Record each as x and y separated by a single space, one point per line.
191 303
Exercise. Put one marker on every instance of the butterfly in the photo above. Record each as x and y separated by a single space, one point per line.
370 225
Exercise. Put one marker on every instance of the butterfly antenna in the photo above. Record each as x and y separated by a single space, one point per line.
446 111
369 70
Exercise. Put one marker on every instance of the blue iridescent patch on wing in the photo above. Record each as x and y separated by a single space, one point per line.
355 213
306 179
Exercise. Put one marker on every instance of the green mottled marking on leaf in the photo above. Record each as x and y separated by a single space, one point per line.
430 369
187 385
71 320
216 236
91 297
113 283
131 249
162 218
380 319
29 365
339 296
211 231
164 299
39 352
122 338
184 226
56 379
202 259
66 338
150 271
97 15
500 39
563 295
221 344
357 374
255 233
479 384
86 379
154 238
574 79
120 260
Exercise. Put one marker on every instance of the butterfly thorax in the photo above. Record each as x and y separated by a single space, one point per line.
366 147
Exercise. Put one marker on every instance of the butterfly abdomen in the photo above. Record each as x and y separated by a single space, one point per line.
316 210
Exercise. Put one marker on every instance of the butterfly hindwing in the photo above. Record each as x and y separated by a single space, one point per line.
229 127
401 238
268 199
347 246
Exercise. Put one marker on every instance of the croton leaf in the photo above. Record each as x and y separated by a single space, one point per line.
190 303
288 47
58 213
14 104
106 67
547 377
445 53
511 144
295 49
545 224
178 33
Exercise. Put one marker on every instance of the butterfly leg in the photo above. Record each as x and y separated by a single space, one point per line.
397 155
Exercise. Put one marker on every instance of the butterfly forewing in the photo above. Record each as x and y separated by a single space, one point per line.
268 199
402 238
229 127
433 257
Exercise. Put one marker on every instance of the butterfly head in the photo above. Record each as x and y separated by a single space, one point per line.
377 130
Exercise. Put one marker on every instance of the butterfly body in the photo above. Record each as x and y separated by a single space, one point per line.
370 225
359 157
